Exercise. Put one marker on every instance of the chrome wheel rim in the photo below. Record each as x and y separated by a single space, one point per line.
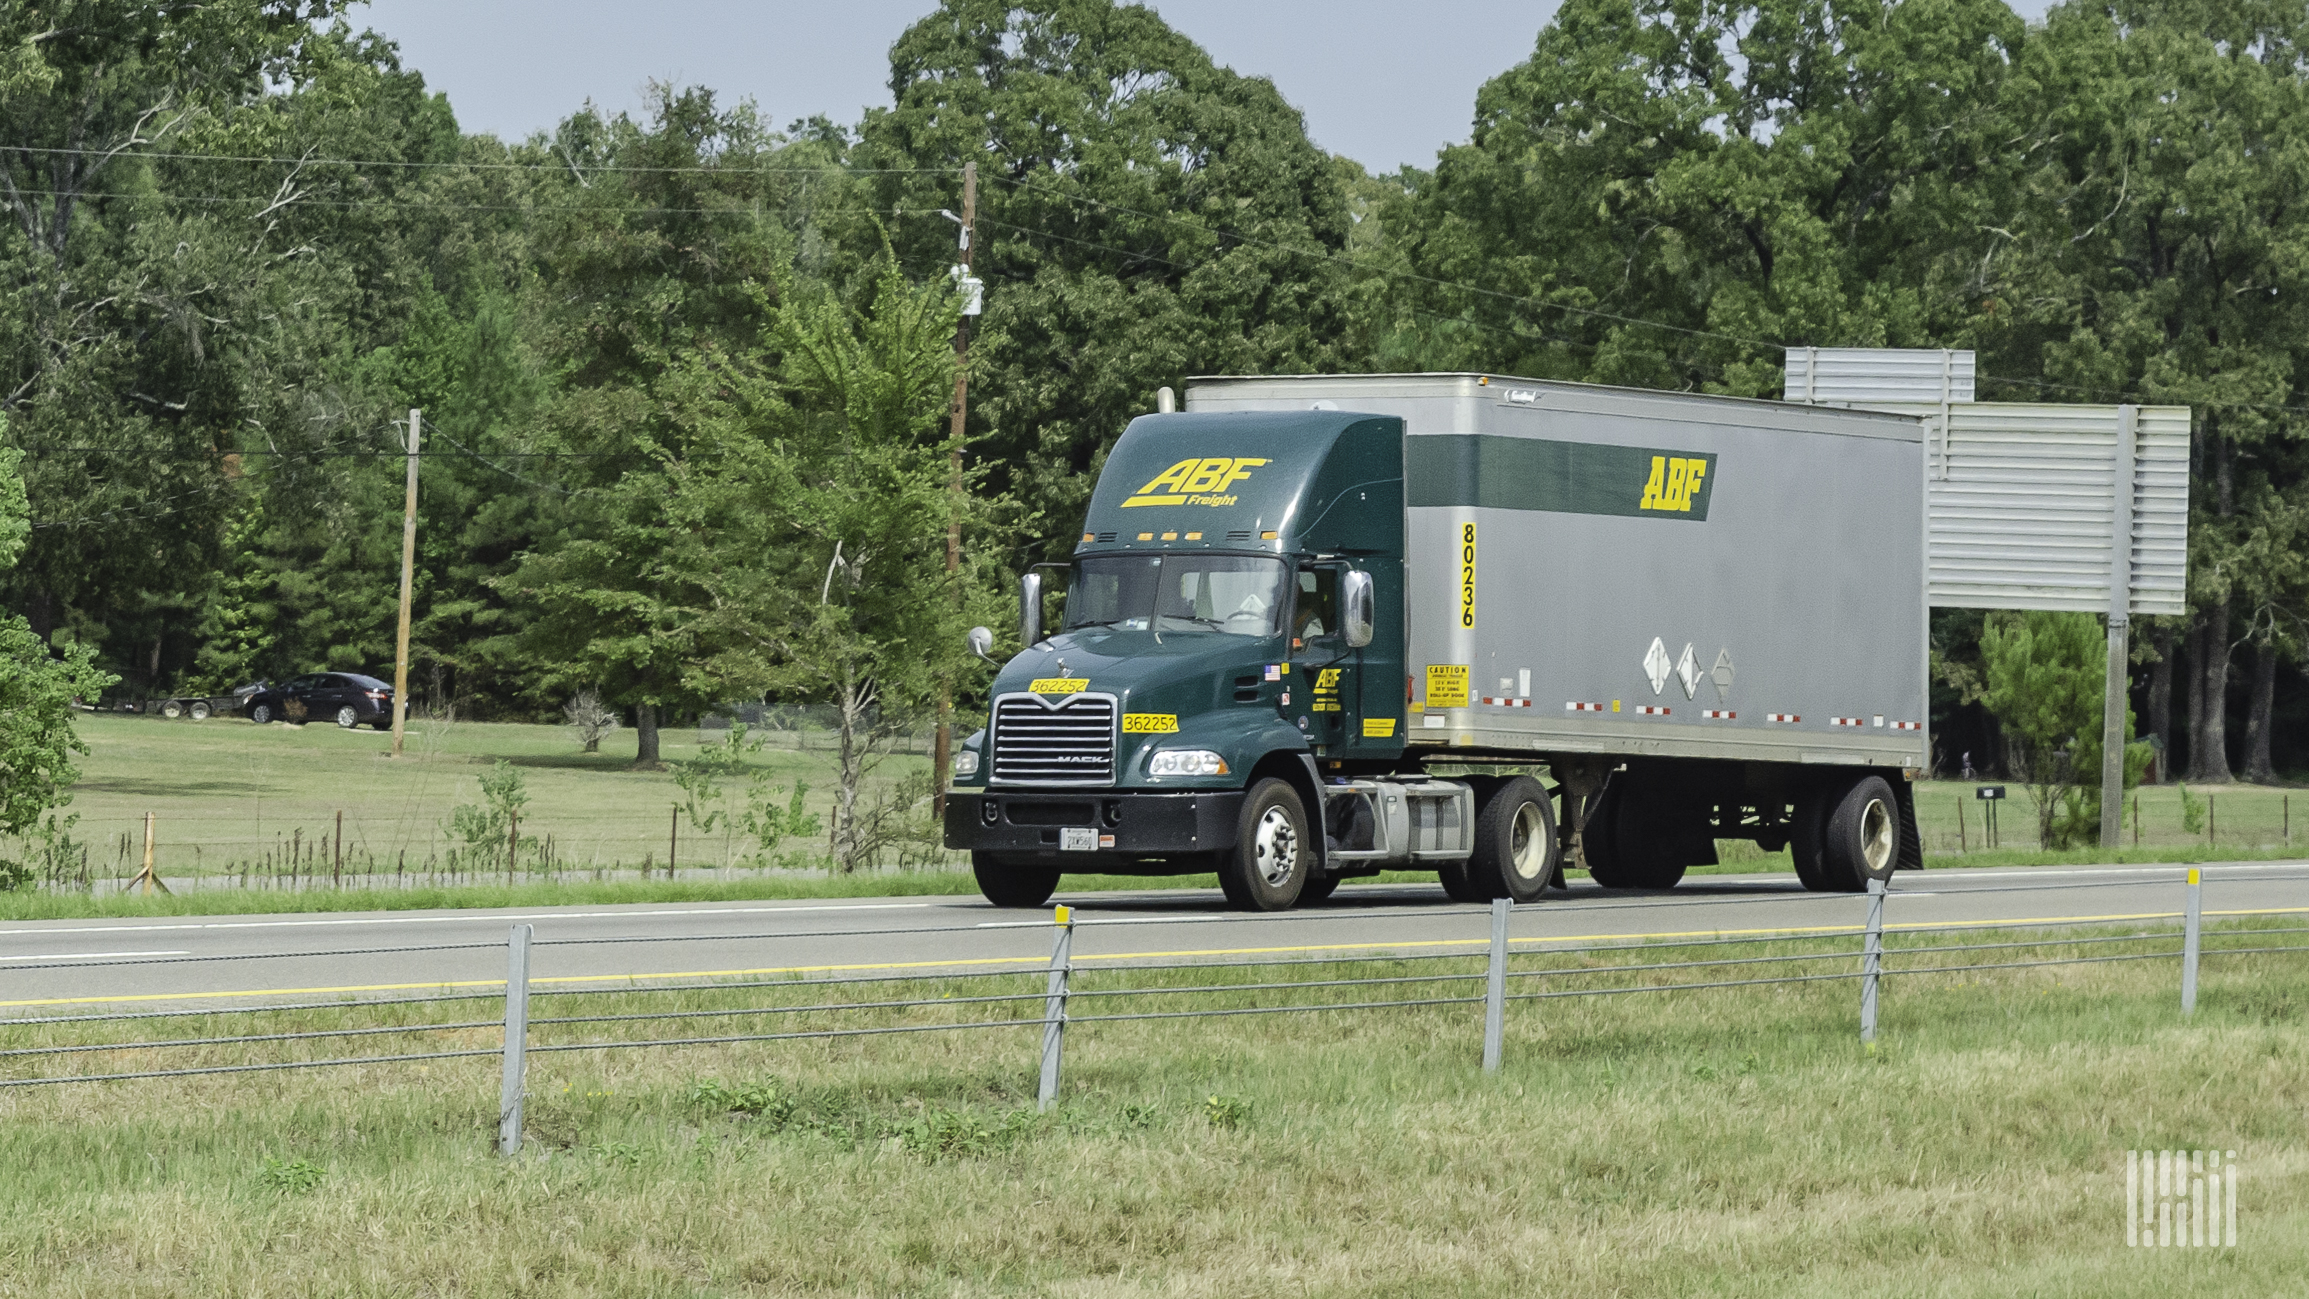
347 718
1275 847
1527 844
1876 846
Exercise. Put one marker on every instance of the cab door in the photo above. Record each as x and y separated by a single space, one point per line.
1323 667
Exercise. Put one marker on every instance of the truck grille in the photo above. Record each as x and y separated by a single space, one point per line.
1069 741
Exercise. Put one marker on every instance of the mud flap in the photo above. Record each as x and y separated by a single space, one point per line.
1911 840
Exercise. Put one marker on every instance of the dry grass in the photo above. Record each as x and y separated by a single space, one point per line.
1730 1142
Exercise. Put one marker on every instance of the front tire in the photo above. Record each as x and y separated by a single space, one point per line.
1013 886
261 714
1272 857
1860 836
1515 842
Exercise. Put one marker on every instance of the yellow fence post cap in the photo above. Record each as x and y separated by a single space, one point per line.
1065 915
2193 879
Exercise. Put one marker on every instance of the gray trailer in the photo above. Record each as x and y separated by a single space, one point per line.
1638 573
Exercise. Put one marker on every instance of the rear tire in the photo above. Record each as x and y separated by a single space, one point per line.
1804 841
1013 886
1273 854
1515 842
1318 889
348 718
1860 836
1648 852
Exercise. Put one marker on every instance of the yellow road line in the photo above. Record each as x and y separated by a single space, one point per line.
1028 961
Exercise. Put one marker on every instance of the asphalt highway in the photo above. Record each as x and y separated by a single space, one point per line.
92 966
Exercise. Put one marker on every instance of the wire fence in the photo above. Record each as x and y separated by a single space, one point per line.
1054 994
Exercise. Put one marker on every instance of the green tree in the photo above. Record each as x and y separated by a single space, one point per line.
2044 678
814 517
1669 191
37 686
1144 215
2157 253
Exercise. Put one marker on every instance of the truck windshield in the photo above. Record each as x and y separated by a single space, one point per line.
1236 594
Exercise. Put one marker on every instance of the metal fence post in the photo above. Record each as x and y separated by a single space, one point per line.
1495 987
516 1041
1871 963
2191 931
1054 1006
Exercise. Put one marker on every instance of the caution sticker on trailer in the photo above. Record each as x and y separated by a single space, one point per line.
1447 685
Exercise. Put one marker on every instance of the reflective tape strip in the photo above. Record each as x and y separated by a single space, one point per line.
1650 711
1846 721
1908 726
1782 717
1718 713
1577 707
1507 703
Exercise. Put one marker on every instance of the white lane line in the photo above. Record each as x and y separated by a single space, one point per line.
86 956
434 917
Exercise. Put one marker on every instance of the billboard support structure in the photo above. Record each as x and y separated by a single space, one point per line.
2016 499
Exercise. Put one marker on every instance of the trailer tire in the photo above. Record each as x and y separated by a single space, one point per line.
1860 835
1643 855
1273 856
1515 841
199 711
1804 840
1013 886
172 710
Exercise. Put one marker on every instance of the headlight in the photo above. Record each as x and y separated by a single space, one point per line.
966 762
1187 762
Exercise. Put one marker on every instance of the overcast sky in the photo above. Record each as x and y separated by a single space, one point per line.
1385 82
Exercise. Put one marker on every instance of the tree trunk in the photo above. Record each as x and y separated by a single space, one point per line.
2192 723
2209 746
645 732
848 840
2161 700
2258 768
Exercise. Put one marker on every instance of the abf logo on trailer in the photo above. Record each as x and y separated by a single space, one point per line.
1200 480
1674 482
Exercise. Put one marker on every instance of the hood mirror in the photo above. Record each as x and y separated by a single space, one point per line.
1360 604
981 640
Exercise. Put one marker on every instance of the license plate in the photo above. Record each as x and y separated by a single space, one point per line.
1077 839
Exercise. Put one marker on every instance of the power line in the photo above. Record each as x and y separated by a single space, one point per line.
605 169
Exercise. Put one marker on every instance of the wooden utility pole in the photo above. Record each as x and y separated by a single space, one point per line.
408 569
942 755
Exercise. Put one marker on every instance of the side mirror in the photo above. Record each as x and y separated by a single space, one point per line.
1355 593
981 640
1030 609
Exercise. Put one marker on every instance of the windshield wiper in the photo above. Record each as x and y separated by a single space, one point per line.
1212 623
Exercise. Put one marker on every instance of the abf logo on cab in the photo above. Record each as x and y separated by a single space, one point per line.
1200 481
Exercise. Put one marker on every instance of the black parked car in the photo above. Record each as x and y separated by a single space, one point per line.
346 698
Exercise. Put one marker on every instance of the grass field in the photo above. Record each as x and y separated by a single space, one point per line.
230 798
1722 1142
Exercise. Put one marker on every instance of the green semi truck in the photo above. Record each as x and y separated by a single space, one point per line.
1317 627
